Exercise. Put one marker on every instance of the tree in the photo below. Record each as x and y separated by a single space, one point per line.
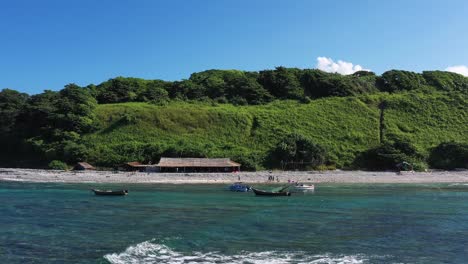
318 84
155 91
449 155
74 110
52 122
11 103
446 81
388 155
296 149
246 88
282 82
395 81
238 87
120 90
34 118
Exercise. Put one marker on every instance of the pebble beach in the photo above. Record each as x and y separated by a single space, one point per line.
337 176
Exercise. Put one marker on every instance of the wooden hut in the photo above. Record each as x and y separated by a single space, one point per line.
83 166
197 165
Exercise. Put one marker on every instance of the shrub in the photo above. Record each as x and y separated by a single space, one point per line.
250 161
449 155
58 165
73 152
388 155
298 152
446 81
395 81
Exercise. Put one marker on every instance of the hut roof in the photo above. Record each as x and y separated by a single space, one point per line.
85 166
135 164
196 162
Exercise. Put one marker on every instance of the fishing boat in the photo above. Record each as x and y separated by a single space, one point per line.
281 191
303 188
110 192
239 187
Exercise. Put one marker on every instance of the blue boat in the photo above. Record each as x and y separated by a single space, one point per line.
239 187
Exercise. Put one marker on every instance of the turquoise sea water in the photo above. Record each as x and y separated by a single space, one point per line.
65 223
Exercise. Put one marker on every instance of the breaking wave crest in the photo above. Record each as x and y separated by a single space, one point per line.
151 252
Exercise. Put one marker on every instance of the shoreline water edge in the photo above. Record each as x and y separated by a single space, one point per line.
280 177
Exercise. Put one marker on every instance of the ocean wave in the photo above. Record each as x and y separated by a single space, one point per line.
151 252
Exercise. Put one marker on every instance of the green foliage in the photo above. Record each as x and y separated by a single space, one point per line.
11 103
58 165
74 110
154 92
237 87
446 81
246 133
283 83
388 155
345 127
51 123
253 88
395 81
449 155
239 114
364 74
123 89
318 84
73 151
34 119
250 161
426 120
295 149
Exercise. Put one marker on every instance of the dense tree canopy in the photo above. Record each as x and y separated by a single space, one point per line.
11 103
283 83
122 89
446 81
395 81
244 87
51 124
388 155
298 152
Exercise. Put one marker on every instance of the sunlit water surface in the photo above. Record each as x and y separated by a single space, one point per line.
66 223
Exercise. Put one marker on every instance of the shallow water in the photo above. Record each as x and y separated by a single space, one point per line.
58 223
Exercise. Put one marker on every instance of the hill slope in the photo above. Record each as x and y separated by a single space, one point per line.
345 126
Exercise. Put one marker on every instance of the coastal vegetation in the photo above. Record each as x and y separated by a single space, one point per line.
285 118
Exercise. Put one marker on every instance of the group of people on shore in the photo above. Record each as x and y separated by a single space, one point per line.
271 178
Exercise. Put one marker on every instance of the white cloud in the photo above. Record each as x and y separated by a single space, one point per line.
461 69
342 67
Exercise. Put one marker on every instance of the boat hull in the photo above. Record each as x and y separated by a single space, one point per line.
303 188
110 193
266 193
239 188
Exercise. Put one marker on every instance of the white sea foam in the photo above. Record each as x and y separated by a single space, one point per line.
151 252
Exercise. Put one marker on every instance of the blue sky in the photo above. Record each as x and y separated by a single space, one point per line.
49 43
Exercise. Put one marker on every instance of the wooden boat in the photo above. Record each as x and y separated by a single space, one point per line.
110 192
303 188
271 193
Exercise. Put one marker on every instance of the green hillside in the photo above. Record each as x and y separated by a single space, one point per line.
344 126
306 118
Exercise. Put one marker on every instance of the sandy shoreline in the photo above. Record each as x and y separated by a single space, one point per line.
31 175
